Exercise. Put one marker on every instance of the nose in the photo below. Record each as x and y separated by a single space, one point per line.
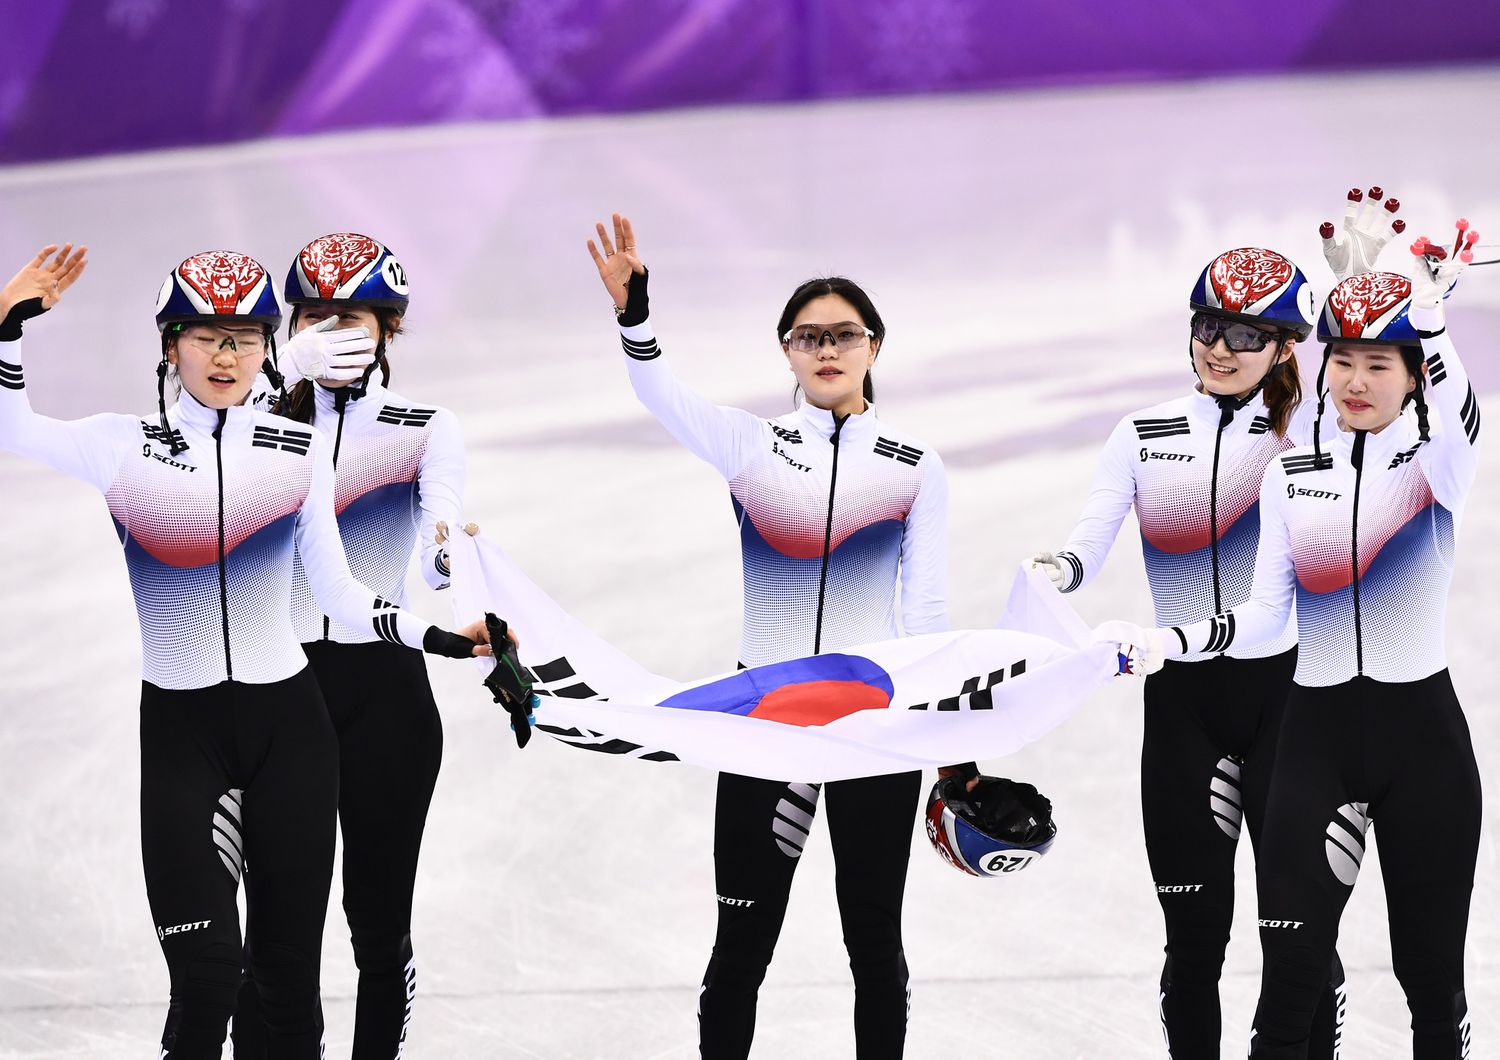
833 346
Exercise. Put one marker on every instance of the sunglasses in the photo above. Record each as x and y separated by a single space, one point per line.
846 336
1240 338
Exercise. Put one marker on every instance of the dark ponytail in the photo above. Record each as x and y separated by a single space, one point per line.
850 292
1283 392
1411 356
299 403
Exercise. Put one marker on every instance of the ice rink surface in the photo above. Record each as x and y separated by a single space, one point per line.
1031 254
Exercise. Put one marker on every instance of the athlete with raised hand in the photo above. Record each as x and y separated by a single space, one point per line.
398 481
238 760
1192 468
836 510
1358 530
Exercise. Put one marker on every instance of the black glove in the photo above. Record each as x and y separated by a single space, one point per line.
10 328
440 642
1013 810
637 305
1009 810
509 682
967 771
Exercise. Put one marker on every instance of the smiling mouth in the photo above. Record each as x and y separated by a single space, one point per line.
222 380
1221 369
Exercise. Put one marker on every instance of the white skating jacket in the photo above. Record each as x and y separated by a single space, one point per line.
1194 476
1363 541
832 516
398 469
209 534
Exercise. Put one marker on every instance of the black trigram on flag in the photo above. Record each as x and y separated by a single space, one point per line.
896 451
975 693
588 740
558 678
1162 428
1260 425
10 376
292 441
405 417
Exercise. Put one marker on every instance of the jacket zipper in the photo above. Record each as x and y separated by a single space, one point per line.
223 574
1357 458
1226 417
340 399
833 477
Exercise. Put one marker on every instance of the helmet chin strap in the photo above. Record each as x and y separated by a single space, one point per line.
1228 403
161 407
273 373
360 387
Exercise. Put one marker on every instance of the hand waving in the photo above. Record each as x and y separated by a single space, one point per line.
619 261
45 279
1367 229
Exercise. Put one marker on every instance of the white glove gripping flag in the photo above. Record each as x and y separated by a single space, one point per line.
1436 270
887 707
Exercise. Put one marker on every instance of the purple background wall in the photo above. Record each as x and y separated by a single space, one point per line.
81 77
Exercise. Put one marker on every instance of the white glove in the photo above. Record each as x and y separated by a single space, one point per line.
1435 270
1367 229
1052 567
320 352
1142 649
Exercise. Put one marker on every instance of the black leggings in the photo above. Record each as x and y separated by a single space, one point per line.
1398 755
390 744
1210 741
230 774
760 827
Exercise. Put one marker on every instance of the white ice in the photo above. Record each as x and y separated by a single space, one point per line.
1031 253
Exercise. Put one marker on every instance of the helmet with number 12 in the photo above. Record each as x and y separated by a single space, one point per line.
348 267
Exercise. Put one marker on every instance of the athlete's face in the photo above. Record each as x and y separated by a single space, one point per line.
1224 373
1368 384
832 378
350 316
218 365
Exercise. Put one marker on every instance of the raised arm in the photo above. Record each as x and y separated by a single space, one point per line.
1451 457
90 449
724 437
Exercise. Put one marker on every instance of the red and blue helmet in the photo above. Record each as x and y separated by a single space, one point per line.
1000 827
1370 307
347 267
1257 286
215 286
